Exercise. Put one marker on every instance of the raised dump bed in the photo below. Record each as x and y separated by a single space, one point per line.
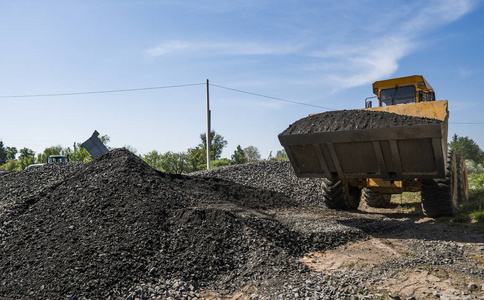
393 142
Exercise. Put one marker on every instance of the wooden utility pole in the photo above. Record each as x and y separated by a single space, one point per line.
208 128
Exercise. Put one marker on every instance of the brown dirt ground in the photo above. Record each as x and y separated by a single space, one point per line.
423 280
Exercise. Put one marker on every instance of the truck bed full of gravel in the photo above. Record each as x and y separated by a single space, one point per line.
356 119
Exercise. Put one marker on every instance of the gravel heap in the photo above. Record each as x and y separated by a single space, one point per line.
275 176
114 228
343 120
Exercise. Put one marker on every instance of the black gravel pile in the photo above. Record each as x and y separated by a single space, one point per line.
16 187
116 228
276 176
343 120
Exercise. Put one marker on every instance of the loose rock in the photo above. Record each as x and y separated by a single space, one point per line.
356 119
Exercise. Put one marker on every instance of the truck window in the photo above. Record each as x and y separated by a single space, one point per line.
398 95
427 96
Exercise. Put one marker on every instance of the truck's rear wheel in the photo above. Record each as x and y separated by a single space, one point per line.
375 199
439 196
462 182
338 194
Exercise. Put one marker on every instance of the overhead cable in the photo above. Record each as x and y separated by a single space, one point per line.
270 97
103 92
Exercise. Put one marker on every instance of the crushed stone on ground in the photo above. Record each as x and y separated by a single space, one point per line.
115 228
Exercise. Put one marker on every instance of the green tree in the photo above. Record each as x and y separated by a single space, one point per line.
26 158
220 162
467 148
281 155
105 139
252 154
131 149
473 167
3 154
239 156
154 159
77 153
54 150
175 163
197 159
11 165
170 162
217 144
11 153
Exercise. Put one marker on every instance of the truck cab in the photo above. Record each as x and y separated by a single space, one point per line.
57 158
403 90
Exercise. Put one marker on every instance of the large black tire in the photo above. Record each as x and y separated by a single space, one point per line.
375 199
337 194
462 182
439 196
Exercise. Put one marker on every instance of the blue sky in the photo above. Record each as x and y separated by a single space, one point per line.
323 53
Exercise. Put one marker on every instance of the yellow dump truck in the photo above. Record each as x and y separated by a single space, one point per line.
399 146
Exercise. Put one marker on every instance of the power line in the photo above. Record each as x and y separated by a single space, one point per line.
270 97
160 87
188 85
103 92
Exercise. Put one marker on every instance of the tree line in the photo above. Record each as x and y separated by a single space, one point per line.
195 159
191 160
26 156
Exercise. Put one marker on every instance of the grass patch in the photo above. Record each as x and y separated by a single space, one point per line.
349 265
410 254
408 202
473 210
471 213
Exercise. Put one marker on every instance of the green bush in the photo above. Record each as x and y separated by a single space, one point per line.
220 162
478 216
11 165
472 211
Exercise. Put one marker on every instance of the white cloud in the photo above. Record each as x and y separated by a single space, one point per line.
356 66
350 65
465 72
354 56
169 47
222 48
436 13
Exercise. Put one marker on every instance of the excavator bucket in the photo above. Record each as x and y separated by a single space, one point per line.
388 152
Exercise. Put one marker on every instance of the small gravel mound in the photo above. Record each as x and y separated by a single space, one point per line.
276 176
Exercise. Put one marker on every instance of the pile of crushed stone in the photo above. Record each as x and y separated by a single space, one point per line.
276 176
356 119
114 228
